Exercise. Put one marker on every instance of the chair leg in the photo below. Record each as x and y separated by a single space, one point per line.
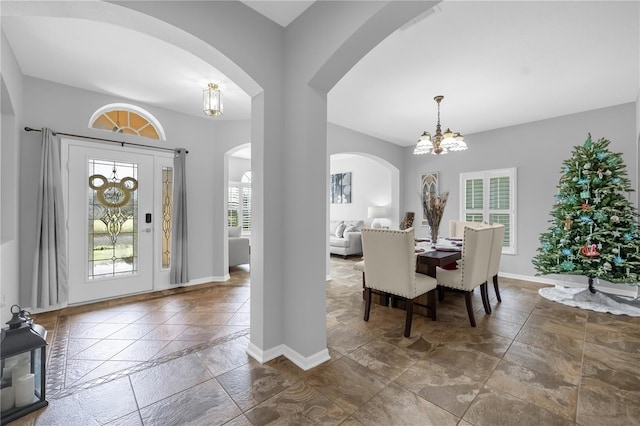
385 299
484 292
431 303
440 293
367 303
472 318
364 286
407 323
496 288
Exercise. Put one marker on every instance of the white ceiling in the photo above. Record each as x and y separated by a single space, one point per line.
496 63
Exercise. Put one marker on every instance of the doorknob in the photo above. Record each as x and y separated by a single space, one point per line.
147 230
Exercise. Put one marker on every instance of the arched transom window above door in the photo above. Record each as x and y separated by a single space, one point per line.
129 119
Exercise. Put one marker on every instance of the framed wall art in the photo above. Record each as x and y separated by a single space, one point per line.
428 186
340 188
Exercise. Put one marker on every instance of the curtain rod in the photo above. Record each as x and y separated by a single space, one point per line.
122 143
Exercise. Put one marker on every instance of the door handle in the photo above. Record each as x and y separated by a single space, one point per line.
147 230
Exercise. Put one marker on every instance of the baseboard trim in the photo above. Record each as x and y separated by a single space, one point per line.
629 290
305 363
208 280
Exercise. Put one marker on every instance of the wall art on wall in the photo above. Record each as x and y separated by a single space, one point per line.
428 186
340 188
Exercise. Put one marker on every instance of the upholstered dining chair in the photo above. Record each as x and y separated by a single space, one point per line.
390 267
496 255
473 268
456 227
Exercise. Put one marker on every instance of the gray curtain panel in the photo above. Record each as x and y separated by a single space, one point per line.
179 237
49 285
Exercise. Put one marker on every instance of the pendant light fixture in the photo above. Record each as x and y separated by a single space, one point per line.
440 143
212 100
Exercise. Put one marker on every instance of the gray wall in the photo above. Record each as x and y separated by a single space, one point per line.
67 109
237 168
537 150
11 83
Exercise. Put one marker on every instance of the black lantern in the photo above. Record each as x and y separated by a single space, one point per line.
23 351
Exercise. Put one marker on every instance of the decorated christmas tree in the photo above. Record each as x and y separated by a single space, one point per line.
594 229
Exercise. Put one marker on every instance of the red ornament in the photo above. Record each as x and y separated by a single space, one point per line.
589 251
585 207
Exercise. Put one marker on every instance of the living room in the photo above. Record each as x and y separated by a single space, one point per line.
292 136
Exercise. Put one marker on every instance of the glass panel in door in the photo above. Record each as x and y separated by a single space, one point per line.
113 219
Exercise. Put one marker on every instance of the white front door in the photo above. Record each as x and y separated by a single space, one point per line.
111 217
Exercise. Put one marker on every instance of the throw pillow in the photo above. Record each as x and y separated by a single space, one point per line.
235 231
333 225
340 230
348 229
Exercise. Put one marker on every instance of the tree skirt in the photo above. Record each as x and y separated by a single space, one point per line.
599 302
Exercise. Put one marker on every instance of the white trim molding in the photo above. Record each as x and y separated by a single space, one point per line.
306 363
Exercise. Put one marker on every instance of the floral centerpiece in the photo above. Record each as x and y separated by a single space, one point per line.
433 205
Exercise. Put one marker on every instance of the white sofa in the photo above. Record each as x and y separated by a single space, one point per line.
345 238
239 247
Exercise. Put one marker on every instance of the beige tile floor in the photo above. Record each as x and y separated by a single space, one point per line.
180 359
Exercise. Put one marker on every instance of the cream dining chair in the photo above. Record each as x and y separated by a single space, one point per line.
390 267
473 267
456 227
496 255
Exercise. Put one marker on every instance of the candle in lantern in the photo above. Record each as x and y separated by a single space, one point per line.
22 368
24 390
7 373
8 398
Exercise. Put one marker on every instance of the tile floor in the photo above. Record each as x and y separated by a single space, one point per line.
180 359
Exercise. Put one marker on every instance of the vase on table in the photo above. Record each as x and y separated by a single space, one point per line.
433 205
434 235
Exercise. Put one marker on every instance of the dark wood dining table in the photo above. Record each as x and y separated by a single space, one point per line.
427 262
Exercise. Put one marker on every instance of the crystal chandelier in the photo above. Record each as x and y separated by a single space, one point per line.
440 143
212 100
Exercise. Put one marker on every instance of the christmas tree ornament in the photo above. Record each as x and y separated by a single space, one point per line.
567 223
585 207
614 219
589 250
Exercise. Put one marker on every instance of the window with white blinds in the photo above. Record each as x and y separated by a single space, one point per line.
239 203
233 205
490 196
